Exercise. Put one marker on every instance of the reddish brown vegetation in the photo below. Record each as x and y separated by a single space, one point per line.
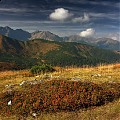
52 96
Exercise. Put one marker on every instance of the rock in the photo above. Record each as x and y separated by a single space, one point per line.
76 79
96 75
37 76
23 82
109 76
9 103
99 75
34 114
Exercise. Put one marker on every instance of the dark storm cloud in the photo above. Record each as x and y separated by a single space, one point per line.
102 14
45 7
52 4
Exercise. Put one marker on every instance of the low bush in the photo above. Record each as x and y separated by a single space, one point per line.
57 95
42 68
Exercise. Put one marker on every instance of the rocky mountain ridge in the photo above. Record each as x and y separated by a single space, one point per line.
19 34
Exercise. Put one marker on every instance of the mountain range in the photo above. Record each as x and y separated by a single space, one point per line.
105 43
38 51
19 34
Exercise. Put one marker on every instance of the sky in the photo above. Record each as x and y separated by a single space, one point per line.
87 18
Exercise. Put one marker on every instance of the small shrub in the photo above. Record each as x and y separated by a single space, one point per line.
42 68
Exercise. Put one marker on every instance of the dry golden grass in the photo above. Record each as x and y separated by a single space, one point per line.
99 74
13 77
103 73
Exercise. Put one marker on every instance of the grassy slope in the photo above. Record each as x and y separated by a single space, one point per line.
54 53
109 73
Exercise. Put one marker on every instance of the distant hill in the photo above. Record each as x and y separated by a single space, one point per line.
105 43
28 53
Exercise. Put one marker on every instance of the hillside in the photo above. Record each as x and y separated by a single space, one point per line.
28 53
8 66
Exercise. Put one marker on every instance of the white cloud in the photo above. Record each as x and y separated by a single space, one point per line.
114 36
87 33
104 15
85 18
14 10
60 14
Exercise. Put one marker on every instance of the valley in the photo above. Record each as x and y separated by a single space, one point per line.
25 54
59 60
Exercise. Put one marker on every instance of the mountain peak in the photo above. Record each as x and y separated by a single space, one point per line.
45 32
16 34
47 35
7 27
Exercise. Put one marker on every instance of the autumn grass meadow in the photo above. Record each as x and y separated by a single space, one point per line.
70 93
